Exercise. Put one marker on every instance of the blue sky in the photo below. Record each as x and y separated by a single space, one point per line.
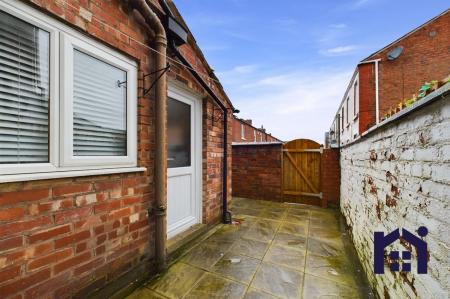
286 64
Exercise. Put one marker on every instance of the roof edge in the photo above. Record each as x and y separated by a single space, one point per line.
371 56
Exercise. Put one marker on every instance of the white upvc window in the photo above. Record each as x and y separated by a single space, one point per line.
67 102
242 132
355 100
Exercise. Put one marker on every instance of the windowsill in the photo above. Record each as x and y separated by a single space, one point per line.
66 174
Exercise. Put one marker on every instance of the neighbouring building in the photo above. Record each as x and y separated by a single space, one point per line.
244 131
84 85
391 75
394 161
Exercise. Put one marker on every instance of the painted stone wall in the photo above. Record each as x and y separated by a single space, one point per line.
398 176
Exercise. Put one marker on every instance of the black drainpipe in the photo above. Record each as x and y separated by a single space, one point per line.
226 215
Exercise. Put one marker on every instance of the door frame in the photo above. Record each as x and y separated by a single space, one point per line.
180 92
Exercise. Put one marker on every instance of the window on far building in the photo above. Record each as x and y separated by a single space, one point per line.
242 132
355 98
346 108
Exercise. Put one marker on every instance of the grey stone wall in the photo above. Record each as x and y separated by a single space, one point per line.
398 176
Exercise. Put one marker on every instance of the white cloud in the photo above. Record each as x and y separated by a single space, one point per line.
361 2
332 34
214 47
291 105
245 69
338 26
338 51
238 74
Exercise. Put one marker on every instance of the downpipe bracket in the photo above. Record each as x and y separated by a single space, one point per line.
159 210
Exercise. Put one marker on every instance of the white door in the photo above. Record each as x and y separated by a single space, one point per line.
183 160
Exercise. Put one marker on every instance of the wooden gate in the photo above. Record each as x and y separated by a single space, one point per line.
302 172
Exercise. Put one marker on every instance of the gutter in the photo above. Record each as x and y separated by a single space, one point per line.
226 215
160 209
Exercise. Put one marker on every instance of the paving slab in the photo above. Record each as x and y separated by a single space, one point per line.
178 280
212 286
273 250
278 280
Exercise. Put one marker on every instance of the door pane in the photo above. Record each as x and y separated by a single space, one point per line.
24 91
178 134
99 108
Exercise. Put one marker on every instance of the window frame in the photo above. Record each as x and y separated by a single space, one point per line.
59 160
348 110
53 111
242 131
68 44
355 98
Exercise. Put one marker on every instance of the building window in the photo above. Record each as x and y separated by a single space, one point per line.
346 109
65 101
24 92
355 98
99 108
254 135
342 119
242 132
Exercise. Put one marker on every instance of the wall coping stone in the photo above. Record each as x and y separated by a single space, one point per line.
256 143
436 95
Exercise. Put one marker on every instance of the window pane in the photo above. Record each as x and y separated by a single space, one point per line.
179 133
99 108
24 91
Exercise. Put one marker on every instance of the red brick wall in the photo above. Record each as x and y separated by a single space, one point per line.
331 176
60 237
212 125
212 164
249 133
426 57
67 237
257 171
366 96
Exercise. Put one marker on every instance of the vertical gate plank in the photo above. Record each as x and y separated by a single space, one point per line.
301 171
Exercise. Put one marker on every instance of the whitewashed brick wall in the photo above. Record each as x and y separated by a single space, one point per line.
398 176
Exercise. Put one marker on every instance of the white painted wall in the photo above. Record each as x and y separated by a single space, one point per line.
348 114
399 177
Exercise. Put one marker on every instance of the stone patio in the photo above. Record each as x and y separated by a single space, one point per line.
274 250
